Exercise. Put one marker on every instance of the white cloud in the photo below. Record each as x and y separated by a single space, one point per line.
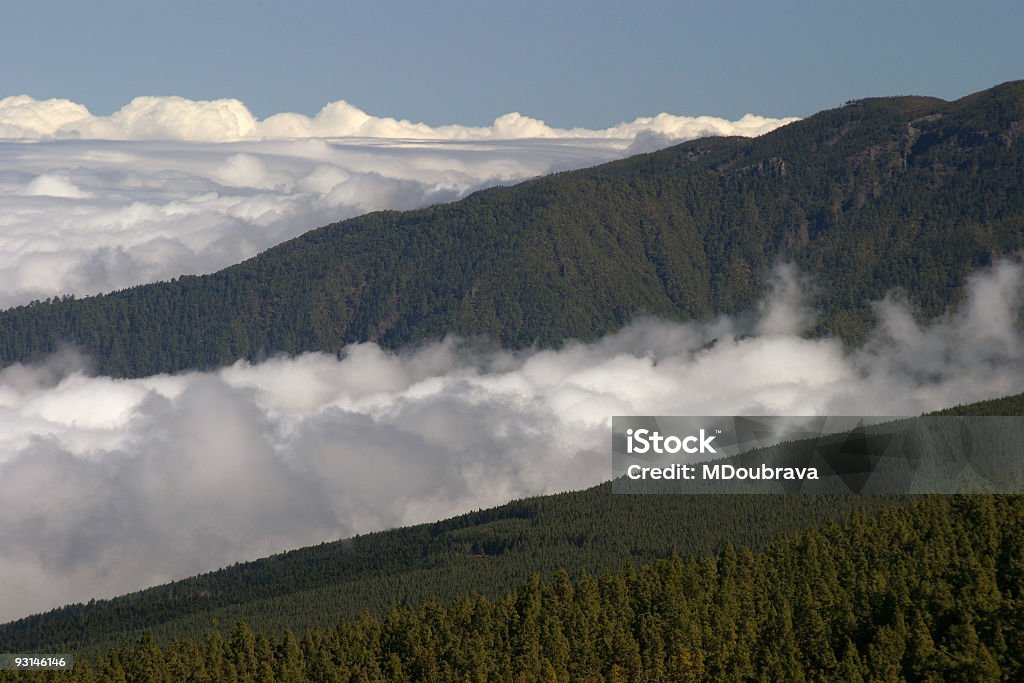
109 485
227 120
83 217
168 186
47 185
23 117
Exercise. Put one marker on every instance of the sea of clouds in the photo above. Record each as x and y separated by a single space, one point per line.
111 485
168 186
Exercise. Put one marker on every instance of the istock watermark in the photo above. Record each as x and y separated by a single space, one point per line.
644 441
832 454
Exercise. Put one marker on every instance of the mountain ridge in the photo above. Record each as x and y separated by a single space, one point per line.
906 193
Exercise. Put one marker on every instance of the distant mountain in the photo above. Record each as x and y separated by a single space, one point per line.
902 192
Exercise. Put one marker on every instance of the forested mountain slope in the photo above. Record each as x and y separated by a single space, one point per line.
488 551
906 192
927 591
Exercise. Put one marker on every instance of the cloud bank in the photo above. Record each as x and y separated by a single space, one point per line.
110 485
228 120
84 217
168 186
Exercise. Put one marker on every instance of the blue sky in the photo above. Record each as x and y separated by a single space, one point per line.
574 63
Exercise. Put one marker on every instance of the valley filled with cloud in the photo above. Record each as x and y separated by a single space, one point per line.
112 485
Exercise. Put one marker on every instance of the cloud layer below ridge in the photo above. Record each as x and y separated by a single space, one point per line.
168 186
111 485
82 217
